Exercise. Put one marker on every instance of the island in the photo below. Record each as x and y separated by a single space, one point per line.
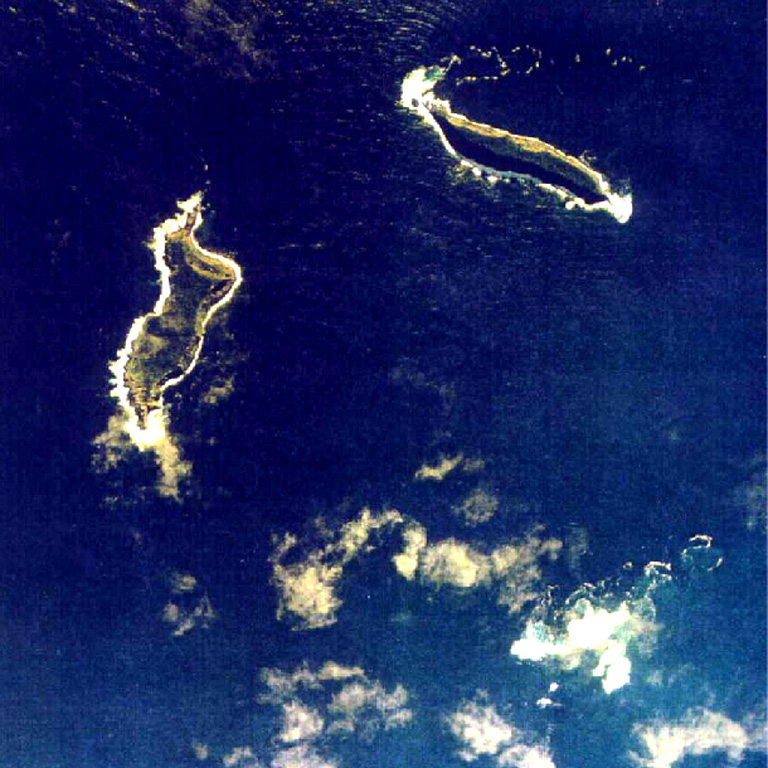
499 154
164 345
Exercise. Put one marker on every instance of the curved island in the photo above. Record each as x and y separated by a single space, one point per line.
164 345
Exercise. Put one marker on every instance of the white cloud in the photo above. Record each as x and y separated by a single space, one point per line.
114 444
307 588
523 756
335 699
366 706
438 472
699 732
241 757
590 632
300 723
483 732
513 568
414 541
189 607
300 756
478 507
331 670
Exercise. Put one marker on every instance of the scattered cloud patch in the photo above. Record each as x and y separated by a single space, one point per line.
477 508
483 732
700 732
301 756
366 706
602 637
189 606
300 722
308 587
241 757
414 541
514 569
114 445
751 498
334 700
438 472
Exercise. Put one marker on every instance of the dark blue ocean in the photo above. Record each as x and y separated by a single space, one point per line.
395 310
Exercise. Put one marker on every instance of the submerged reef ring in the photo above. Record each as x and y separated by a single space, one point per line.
500 154
162 347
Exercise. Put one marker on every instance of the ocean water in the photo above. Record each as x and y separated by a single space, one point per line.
606 379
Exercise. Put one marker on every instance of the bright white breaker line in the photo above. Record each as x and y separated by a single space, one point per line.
155 429
417 95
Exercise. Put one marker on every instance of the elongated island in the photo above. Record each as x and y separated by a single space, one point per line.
499 154
163 346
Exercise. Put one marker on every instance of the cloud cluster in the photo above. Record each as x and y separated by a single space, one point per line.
586 633
514 569
308 579
308 587
699 732
483 732
314 707
445 465
478 507
114 444
189 606
333 700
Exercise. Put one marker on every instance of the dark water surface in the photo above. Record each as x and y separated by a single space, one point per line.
395 309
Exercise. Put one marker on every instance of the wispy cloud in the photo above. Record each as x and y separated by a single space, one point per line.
189 605
114 445
308 587
699 732
483 732
335 699
301 756
514 568
241 757
588 633
478 507
439 471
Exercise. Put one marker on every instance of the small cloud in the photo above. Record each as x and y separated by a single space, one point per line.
483 732
365 706
414 541
336 699
308 588
200 751
438 472
587 633
300 723
301 756
699 732
514 569
751 498
477 508
523 756
241 757
333 671
114 445
182 583
189 607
